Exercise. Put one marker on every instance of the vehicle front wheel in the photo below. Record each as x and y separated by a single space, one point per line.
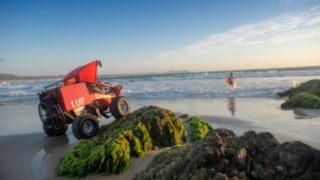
119 107
85 126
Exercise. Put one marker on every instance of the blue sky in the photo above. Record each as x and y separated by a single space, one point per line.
51 37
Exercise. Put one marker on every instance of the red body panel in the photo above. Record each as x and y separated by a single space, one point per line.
117 91
75 95
104 103
85 73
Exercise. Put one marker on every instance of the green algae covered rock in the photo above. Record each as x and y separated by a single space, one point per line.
111 150
198 128
303 99
307 95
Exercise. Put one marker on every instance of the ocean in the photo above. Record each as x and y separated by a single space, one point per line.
254 105
250 84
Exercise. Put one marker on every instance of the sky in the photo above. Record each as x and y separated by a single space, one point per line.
52 37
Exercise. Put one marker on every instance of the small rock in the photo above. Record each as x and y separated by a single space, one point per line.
212 172
223 165
254 174
241 158
279 168
184 116
200 174
233 172
259 170
220 176
230 153
242 175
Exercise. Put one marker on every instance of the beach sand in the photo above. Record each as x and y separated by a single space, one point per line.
35 156
27 153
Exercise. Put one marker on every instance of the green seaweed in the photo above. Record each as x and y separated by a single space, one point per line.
111 150
75 164
198 127
305 100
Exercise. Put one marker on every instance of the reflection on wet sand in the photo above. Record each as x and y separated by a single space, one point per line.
44 161
231 104
302 113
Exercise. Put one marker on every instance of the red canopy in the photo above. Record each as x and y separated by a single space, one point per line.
85 73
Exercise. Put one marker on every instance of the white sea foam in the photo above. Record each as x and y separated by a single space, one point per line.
295 83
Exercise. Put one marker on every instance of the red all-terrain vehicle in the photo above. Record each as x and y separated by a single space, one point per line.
80 98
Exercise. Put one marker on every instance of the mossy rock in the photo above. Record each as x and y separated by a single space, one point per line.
306 95
111 150
198 128
304 100
312 86
169 159
223 155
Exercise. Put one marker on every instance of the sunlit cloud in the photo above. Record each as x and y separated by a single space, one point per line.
295 35
282 29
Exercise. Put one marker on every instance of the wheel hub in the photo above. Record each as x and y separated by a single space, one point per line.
124 107
88 127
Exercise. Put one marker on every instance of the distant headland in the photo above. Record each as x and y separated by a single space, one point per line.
12 77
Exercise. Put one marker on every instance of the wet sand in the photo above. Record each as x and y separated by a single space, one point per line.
35 156
25 155
18 152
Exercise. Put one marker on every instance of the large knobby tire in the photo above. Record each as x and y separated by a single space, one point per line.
48 123
119 107
54 131
85 126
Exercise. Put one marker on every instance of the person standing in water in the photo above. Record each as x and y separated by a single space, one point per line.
230 80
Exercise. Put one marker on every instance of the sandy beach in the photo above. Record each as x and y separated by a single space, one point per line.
235 72
27 153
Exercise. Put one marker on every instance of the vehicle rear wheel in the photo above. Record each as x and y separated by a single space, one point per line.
44 111
85 126
52 130
51 125
119 107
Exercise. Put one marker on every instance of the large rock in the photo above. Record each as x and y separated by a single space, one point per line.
223 155
307 95
111 150
312 86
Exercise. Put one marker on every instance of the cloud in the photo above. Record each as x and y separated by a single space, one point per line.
295 35
282 29
2 59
